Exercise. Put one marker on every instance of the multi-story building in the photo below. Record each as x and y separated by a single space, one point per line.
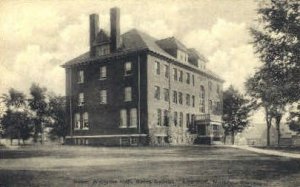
133 89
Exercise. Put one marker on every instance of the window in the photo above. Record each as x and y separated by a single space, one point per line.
166 118
77 121
182 56
188 99
210 105
180 76
133 141
128 68
80 78
167 71
85 121
209 85
175 74
216 127
218 89
193 80
187 120
193 120
159 117
133 118
174 96
157 92
103 72
187 78
180 98
157 68
81 99
123 118
103 50
125 141
159 139
128 94
166 94
193 101
218 109
103 97
175 118
202 99
180 119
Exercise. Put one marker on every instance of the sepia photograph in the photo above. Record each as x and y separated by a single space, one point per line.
172 93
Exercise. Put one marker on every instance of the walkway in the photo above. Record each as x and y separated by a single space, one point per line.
266 151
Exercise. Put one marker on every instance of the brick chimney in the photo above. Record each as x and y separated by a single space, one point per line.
94 29
115 29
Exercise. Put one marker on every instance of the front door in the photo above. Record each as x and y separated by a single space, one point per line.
201 129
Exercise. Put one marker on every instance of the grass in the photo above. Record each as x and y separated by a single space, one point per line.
144 166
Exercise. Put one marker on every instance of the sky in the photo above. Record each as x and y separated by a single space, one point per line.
37 37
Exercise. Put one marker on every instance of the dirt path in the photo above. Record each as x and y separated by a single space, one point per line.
266 151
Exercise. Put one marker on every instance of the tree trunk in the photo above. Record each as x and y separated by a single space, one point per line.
42 133
269 123
232 137
278 119
268 134
278 136
35 134
225 136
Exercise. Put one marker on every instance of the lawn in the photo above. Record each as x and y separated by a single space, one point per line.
144 166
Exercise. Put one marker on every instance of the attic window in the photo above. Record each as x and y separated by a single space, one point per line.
103 50
182 56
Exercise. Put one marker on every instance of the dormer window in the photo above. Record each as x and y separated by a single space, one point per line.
182 56
201 64
103 50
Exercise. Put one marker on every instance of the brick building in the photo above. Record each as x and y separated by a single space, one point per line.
131 89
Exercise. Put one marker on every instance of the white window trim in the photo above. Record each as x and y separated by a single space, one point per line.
83 120
79 81
125 98
121 126
103 78
75 126
130 121
79 99
125 72
102 102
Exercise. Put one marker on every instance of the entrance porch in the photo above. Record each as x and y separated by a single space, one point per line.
209 129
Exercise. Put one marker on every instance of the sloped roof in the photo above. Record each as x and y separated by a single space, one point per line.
135 40
195 54
171 43
132 40
101 37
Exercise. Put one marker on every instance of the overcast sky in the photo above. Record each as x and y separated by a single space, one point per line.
37 37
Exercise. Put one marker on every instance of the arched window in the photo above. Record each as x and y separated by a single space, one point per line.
202 99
